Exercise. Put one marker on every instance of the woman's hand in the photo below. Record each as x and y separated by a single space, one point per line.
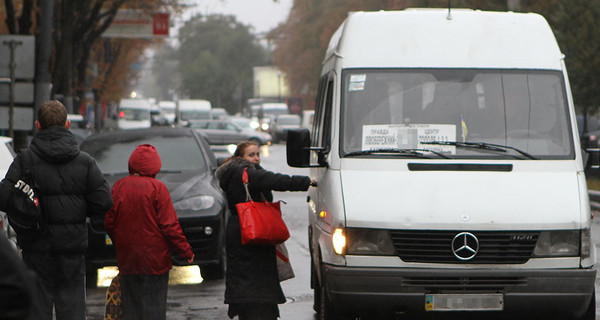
313 183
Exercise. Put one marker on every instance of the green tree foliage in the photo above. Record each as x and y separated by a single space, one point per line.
216 56
578 34
301 41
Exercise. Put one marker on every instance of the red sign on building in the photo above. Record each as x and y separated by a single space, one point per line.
161 24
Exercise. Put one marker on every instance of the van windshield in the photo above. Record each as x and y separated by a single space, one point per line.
135 114
525 110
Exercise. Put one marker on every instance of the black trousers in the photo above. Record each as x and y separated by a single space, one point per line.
60 283
144 297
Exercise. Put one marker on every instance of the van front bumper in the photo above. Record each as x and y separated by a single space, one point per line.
564 292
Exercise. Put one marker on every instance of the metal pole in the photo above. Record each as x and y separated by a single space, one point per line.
11 91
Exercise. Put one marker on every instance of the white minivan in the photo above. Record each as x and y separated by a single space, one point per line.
134 114
450 174
193 109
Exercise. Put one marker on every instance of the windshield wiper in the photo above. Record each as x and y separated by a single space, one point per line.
483 146
409 152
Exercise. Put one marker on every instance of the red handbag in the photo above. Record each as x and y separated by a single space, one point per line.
260 222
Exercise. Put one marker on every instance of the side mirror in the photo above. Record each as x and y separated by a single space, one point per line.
298 148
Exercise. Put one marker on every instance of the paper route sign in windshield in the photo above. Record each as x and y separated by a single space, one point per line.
409 136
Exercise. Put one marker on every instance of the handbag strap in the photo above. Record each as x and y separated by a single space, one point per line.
245 181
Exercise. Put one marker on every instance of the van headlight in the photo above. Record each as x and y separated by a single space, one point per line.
195 203
370 242
563 243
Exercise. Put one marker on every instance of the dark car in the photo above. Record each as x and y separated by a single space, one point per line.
225 132
188 167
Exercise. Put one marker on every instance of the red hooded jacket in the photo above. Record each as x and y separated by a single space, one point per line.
142 223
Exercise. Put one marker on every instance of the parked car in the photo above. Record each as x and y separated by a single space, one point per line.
225 132
187 171
282 124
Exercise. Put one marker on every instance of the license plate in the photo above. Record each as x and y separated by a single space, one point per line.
464 302
107 240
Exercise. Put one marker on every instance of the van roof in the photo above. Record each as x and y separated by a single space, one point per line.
134 104
194 104
427 38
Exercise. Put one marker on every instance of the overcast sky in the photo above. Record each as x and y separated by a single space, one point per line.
263 15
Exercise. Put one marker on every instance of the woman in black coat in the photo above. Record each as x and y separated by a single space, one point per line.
252 287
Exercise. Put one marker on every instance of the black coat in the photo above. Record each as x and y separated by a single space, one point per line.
72 187
251 269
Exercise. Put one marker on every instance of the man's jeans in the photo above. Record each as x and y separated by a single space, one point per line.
144 297
60 283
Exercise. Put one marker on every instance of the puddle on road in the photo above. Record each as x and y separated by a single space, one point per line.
178 275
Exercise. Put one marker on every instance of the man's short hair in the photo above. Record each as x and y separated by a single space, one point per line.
52 113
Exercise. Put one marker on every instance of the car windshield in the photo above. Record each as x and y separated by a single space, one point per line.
523 110
243 123
178 153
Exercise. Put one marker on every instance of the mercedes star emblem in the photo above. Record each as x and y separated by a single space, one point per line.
465 246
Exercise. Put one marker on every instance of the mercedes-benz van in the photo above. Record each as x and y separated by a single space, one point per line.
450 175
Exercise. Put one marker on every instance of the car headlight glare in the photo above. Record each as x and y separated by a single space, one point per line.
195 203
369 242
265 126
338 240
563 243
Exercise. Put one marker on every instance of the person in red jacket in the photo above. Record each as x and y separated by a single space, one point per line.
145 230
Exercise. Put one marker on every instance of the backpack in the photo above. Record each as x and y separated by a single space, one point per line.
23 209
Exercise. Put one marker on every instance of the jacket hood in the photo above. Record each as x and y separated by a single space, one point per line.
234 162
145 161
55 144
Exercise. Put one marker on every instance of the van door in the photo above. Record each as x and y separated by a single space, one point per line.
321 140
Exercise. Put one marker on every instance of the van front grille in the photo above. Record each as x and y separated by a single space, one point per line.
495 247
464 283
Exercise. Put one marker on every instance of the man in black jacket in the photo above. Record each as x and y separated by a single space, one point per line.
72 187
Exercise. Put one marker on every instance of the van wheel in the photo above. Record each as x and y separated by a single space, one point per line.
590 313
